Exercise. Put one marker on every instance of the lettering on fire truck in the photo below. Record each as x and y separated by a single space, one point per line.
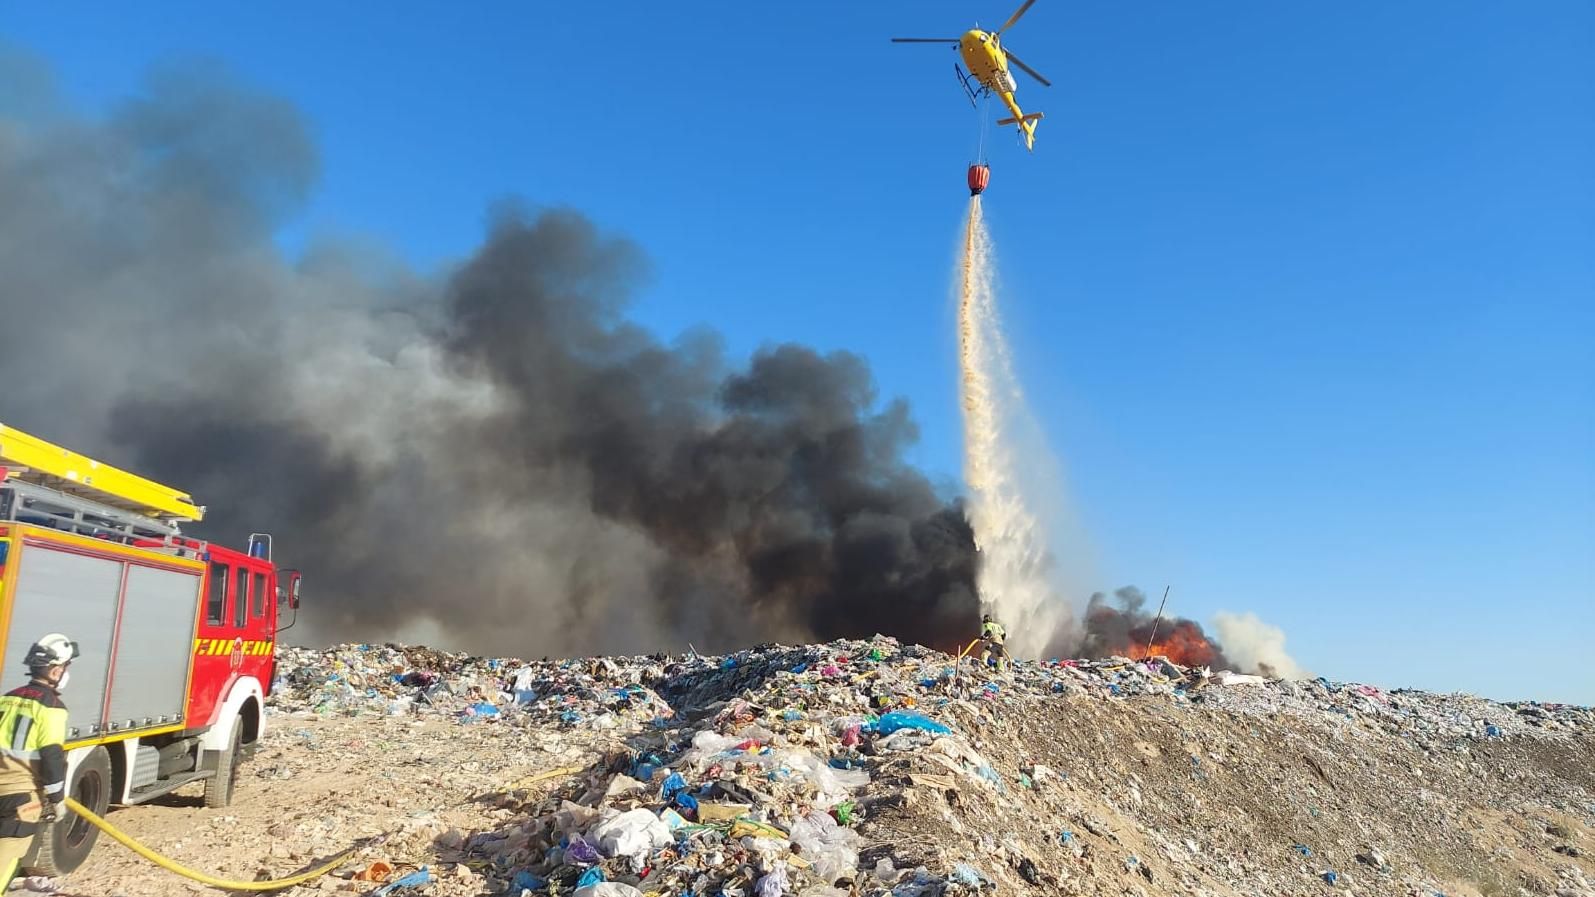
209 647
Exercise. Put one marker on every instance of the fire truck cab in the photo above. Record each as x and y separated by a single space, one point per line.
176 634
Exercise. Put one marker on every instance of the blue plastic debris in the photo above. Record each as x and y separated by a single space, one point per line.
416 879
642 769
672 786
907 719
1302 849
1331 877
592 876
1493 731
969 876
526 881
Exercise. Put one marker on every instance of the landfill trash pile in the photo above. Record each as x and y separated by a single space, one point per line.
352 680
875 768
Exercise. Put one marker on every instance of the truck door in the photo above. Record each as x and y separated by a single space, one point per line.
262 626
213 643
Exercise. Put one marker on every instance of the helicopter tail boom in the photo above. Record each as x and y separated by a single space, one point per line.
1027 126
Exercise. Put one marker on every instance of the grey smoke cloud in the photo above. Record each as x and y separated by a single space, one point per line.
491 454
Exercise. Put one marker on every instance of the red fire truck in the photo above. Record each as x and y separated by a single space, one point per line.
176 634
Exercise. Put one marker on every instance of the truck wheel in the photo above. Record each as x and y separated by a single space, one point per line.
219 788
63 847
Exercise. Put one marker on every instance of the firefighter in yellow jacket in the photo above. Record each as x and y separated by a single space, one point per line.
32 763
992 637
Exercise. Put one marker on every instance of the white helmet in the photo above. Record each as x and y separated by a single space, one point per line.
54 649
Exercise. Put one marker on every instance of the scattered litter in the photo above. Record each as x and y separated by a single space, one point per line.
868 768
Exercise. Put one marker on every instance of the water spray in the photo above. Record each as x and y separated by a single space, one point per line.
1014 579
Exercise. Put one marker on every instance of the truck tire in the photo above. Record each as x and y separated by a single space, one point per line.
62 847
219 788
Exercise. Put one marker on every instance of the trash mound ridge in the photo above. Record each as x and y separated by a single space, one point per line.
876 768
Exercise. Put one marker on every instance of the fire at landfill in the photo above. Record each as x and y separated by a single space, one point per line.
1127 630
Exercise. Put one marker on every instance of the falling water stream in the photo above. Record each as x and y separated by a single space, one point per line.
1015 581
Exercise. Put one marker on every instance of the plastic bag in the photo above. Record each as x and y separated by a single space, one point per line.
707 744
573 817
908 719
969 876
773 884
633 834
579 850
833 785
904 740
756 733
831 848
526 881
672 786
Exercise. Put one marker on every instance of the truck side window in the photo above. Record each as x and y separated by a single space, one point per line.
260 594
241 598
216 600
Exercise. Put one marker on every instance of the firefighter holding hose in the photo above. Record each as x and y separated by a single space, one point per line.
32 763
992 636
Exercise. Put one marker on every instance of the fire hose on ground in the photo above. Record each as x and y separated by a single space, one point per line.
276 884
171 865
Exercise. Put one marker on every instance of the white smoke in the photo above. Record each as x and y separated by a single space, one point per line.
1254 645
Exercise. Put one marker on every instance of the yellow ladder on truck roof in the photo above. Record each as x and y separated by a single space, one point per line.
33 460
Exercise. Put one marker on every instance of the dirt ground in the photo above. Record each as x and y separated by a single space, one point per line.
318 785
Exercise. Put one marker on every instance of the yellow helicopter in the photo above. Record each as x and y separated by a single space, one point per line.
988 68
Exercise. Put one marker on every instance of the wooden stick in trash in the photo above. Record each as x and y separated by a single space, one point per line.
958 665
1159 619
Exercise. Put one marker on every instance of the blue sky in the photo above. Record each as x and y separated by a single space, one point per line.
1303 295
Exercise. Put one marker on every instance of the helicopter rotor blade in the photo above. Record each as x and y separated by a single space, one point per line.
1027 69
924 40
1015 17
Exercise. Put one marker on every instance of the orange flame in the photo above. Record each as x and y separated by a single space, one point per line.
1184 645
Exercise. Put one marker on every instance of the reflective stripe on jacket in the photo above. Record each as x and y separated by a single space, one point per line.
32 728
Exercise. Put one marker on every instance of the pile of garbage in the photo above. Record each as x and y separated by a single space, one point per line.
793 770
355 680
608 692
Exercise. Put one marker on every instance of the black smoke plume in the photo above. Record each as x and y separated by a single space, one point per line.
490 457
1123 627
